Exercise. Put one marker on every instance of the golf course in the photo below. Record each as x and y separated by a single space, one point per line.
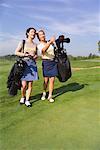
72 122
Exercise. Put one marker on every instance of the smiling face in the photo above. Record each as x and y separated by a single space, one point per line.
41 35
30 33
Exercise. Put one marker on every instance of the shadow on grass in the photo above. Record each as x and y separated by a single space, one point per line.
35 98
69 87
60 90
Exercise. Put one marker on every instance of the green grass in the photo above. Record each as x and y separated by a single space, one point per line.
85 63
71 123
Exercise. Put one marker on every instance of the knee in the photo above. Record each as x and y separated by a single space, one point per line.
52 80
30 85
24 85
46 82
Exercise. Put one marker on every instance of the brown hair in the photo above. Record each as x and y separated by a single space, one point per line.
28 30
38 34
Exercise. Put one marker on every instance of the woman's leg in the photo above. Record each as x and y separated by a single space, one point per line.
51 87
23 92
45 85
23 88
29 90
28 93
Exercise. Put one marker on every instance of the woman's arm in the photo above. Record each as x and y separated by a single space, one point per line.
48 44
18 50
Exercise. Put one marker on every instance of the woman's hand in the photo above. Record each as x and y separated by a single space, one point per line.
35 57
52 40
26 54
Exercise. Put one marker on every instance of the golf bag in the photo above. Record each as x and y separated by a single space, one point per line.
63 63
13 82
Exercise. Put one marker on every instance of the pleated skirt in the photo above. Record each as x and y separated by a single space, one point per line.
30 73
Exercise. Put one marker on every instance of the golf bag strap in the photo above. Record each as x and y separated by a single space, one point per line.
23 44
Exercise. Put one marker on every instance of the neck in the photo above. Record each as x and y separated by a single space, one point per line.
43 41
30 40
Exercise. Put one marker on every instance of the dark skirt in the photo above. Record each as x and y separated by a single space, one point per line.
30 73
49 68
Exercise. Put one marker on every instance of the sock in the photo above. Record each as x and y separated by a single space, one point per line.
44 93
27 99
50 96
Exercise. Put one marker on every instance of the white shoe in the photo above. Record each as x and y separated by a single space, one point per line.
43 96
51 100
22 100
27 103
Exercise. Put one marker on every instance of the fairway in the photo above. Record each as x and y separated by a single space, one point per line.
72 122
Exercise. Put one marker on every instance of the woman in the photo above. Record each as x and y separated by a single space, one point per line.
30 74
49 66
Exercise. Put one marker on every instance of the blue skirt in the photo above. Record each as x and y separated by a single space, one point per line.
30 73
49 68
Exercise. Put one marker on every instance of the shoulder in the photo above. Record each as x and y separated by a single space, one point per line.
21 42
40 45
35 44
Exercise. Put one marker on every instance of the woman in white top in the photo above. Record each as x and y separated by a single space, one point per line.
30 73
49 66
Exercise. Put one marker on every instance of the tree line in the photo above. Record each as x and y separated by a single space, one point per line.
90 56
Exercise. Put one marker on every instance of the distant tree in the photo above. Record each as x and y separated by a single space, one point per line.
90 55
99 46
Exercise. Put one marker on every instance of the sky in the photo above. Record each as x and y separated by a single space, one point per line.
77 19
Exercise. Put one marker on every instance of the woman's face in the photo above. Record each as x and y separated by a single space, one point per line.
31 34
41 36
